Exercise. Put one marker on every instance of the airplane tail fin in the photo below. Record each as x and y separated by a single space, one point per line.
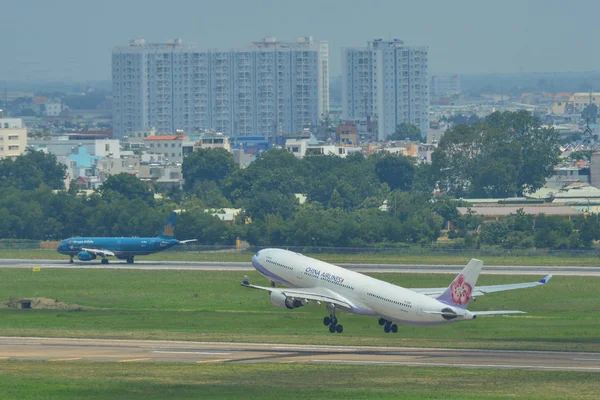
458 294
168 231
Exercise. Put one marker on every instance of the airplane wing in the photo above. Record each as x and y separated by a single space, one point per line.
187 241
481 290
99 252
313 294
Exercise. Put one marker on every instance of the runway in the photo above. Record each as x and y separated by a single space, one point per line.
364 268
132 351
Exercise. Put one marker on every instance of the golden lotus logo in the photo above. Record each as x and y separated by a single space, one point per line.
169 230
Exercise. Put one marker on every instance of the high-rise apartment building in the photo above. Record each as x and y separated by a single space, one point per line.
386 81
445 85
268 88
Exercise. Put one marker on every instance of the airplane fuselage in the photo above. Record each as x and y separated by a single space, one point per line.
122 247
367 295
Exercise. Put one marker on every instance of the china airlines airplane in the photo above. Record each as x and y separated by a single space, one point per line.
338 288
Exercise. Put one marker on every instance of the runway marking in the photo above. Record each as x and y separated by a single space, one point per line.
135 359
192 352
585 359
65 359
421 364
213 361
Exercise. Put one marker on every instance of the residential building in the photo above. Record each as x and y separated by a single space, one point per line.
267 88
13 137
347 134
323 79
51 108
386 81
445 85
214 141
169 146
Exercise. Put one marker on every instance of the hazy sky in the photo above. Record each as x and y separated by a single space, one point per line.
72 39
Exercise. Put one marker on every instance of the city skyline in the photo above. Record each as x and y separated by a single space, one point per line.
267 88
72 41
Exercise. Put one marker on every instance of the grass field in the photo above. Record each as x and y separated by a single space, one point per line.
191 305
79 380
387 258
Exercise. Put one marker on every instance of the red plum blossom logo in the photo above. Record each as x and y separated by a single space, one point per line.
460 290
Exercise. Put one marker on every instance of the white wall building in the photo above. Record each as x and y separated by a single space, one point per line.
13 137
170 147
387 81
268 88
52 108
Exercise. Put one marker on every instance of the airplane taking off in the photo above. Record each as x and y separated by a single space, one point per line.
338 288
87 249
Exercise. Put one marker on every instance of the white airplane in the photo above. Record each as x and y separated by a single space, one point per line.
338 288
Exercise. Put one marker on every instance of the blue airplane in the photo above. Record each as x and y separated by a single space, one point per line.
124 248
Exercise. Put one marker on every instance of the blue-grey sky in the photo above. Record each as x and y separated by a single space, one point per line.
71 40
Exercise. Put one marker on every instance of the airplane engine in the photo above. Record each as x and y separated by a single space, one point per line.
85 256
279 300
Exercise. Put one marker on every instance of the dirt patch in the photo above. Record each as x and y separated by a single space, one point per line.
40 303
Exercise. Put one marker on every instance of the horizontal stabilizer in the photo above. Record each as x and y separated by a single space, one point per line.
187 241
497 312
481 290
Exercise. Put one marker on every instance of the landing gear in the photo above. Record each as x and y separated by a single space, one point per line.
71 260
332 321
388 326
130 260
104 261
272 283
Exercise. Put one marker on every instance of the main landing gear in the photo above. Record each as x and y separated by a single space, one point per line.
130 260
333 325
388 326
71 260
332 321
104 261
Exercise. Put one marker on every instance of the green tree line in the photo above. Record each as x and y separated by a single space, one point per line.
380 200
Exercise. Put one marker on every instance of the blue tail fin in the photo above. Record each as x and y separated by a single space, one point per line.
168 231
458 294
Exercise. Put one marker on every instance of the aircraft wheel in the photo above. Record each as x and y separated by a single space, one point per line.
332 328
333 320
339 328
387 328
71 261
104 261
130 260
381 321
326 321
394 328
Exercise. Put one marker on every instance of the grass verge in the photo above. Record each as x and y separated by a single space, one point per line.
192 305
88 380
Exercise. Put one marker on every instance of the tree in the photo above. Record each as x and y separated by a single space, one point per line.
590 113
397 171
207 165
32 169
507 155
128 186
406 131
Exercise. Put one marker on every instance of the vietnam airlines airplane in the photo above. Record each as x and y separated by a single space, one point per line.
87 249
338 288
